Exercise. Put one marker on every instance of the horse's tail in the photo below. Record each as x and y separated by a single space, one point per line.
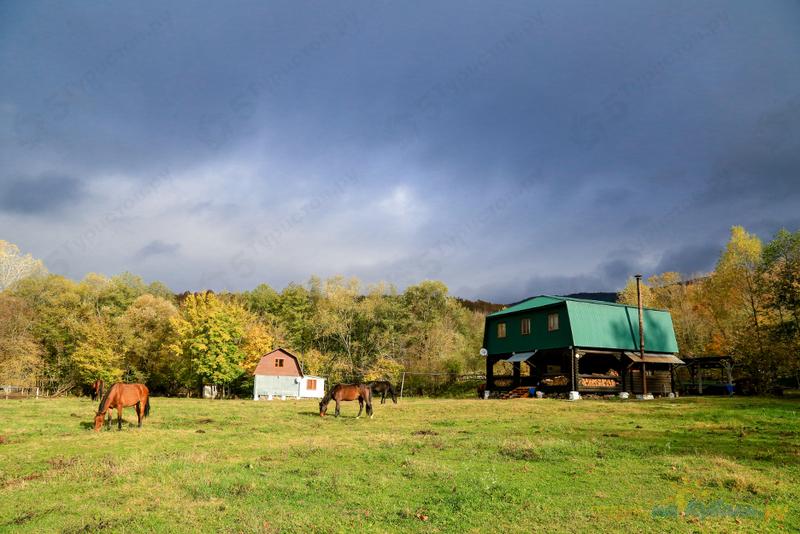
147 406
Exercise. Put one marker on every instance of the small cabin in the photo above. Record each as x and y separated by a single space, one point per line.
279 374
561 344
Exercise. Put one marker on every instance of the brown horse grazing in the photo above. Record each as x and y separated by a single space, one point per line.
121 396
97 389
383 387
347 392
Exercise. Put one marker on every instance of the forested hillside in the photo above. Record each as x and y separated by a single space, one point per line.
61 335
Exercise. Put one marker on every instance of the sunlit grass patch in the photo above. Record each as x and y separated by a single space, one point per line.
422 465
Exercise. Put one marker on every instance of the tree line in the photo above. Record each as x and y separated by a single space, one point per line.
60 335
747 308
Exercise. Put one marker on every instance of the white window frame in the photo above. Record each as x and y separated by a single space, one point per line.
526 321
552 322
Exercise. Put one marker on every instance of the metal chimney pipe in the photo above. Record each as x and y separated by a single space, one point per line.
641 332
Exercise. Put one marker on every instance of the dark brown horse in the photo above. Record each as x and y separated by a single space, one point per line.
121 396
347 392
97 389
383 387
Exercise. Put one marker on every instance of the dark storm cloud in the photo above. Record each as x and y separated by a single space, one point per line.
614 137
158 248
690 260
40 194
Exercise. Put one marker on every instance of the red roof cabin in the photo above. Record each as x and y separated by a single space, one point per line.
279 374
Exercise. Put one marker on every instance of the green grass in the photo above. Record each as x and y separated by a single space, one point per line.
424 465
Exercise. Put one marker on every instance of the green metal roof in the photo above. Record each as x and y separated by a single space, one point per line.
617 326
531 303
606 325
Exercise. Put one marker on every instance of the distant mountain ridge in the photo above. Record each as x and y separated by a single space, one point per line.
490 307
605 296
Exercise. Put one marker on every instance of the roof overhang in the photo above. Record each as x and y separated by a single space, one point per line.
520 356
650 357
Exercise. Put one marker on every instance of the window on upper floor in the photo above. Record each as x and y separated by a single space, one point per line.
525 327
279 362
552 322
501 330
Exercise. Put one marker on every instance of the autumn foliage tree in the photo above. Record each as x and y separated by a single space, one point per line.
748 307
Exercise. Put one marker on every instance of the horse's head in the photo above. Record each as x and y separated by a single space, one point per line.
323 408
98 421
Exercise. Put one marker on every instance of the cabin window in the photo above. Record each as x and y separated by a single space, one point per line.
501 330
552 322
525 327
311 384
279 362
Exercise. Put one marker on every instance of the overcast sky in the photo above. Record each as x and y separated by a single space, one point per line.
506 148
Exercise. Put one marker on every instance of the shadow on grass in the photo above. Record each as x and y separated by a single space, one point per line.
126 425
330 415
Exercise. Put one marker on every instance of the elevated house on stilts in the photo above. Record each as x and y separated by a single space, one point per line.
561 344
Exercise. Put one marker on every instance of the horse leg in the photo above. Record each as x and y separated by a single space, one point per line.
360 406
337 408
119 417
383 397
139 412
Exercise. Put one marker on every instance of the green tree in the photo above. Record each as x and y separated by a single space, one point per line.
58 313
145 333
96 355
21 361
209 334
295 313
780 285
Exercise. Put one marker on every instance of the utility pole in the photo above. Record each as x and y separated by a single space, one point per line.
641 333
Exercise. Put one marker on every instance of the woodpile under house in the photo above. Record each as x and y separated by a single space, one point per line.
562 344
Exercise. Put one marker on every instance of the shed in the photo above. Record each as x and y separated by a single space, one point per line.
279 374
580 345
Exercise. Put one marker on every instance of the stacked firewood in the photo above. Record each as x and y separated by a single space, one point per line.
598 380
517 393
555 381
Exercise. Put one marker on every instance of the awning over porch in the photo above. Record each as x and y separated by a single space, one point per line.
650 357
520 356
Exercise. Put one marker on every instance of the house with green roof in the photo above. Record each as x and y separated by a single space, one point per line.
567 344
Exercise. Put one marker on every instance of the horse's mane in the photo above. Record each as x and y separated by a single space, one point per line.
327 398
104 399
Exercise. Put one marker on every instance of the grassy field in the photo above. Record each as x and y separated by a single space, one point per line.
423 465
